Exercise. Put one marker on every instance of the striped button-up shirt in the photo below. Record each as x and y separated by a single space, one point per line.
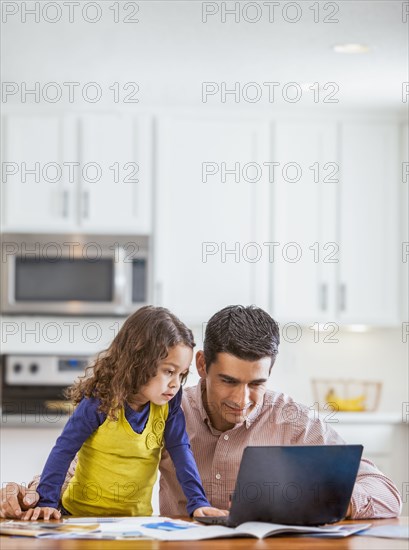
279 421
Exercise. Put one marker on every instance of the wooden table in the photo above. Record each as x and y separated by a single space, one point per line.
277 543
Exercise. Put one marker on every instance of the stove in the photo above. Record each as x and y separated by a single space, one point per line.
32 386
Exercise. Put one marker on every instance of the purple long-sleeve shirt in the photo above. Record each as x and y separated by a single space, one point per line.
85 421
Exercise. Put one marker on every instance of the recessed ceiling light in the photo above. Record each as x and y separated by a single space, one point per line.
351 48
358 328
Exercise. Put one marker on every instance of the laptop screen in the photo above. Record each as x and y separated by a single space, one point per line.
295 485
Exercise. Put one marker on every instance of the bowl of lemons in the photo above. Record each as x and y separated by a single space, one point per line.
347 395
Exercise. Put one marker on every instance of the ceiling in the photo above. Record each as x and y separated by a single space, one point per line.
171 51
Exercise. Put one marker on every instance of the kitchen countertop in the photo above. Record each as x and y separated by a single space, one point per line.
59 420
376 417
33 421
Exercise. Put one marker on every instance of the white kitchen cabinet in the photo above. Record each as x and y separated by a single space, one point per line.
36 196
92 173
345 223
211 223
303 214
24 450
385 438
368 290
115 196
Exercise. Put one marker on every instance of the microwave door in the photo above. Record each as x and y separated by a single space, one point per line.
65 286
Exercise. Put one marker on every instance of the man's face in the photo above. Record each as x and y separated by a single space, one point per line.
234 387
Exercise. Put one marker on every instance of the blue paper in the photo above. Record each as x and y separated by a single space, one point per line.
167 526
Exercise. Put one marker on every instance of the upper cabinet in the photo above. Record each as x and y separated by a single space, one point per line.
36 195
368 279
77 173
302 217
304 220
212 215
115 195
342 215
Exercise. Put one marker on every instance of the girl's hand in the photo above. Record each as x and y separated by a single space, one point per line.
209 511
41 512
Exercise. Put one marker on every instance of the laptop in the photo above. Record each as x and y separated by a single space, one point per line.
293 485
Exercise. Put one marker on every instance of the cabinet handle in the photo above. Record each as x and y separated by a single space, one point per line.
323 294
85 204
342 297
65 204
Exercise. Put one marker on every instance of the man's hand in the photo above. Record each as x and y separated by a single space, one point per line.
15 499
42 512
209 511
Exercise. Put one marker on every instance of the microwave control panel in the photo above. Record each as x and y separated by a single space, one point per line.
44 370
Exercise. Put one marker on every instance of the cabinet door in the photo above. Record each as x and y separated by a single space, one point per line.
115 182
303 213
211 223
369 242
15 442
39 190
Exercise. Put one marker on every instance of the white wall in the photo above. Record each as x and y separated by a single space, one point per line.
377 355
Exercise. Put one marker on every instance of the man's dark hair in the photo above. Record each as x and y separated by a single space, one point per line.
248 333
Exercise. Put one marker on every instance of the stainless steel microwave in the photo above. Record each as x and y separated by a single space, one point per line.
74 274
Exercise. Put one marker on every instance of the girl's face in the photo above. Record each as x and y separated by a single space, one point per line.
166 383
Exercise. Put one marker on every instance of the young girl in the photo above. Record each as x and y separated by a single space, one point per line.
128 409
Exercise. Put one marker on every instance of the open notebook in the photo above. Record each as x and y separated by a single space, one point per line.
162 528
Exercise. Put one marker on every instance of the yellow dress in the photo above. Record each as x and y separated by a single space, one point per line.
117 468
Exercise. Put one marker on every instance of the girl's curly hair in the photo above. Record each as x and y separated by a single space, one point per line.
132 359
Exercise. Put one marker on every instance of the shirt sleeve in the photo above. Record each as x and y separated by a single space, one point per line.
374 494
83 422
178 445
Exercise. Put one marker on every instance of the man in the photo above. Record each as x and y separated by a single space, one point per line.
230 409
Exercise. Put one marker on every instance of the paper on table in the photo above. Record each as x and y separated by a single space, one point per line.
345 531
167 529
387 531
107 519
184 531
45 529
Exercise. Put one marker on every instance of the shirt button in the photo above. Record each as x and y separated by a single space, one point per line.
218 476
226 437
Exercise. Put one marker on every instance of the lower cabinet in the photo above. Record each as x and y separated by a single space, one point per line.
24 451
386 444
